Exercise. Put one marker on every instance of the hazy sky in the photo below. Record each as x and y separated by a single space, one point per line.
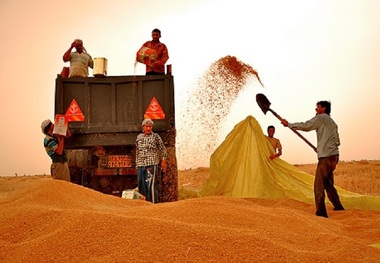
304 51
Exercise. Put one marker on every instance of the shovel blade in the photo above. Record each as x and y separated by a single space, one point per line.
263 102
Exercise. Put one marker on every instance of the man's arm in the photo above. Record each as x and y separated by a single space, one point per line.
163 151
91 62
164 57
68 134
61 142
278 154
66 56
309 125
277 148
61 145
160 63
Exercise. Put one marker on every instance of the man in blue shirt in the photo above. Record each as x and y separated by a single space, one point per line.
54 145
328 155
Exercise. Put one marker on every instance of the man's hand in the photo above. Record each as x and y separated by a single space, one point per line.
285 122
74 44
163 165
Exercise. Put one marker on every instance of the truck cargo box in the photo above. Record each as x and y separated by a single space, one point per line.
105 118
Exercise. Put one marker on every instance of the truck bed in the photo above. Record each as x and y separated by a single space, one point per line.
114 107
106 114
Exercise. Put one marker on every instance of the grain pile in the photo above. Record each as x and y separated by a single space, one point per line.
45 220
208 105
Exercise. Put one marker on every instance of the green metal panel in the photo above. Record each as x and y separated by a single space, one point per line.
114 107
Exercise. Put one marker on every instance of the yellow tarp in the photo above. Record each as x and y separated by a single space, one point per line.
240 167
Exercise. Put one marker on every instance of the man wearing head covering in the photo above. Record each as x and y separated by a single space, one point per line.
150 157
54 145
80 60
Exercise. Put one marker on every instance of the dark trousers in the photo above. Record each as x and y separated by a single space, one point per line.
324 180
147 182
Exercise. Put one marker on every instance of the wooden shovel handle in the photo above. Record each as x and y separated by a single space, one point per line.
296 132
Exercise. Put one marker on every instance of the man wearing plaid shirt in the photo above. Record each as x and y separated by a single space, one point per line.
150 152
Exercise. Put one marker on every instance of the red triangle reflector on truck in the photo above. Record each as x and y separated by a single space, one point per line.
154 110
73 112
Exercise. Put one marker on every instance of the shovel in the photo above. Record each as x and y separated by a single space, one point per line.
264 105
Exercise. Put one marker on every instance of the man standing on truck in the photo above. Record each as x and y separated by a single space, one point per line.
150 152
157 66
54 145
80 60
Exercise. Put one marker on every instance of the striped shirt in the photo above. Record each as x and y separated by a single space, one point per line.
51 145
149 149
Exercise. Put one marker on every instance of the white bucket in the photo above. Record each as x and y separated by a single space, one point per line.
100 67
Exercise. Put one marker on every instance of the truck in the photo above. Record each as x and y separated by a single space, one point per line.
105 116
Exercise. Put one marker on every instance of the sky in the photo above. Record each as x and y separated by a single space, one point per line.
303 50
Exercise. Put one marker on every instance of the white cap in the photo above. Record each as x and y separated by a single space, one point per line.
147 121
44 124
